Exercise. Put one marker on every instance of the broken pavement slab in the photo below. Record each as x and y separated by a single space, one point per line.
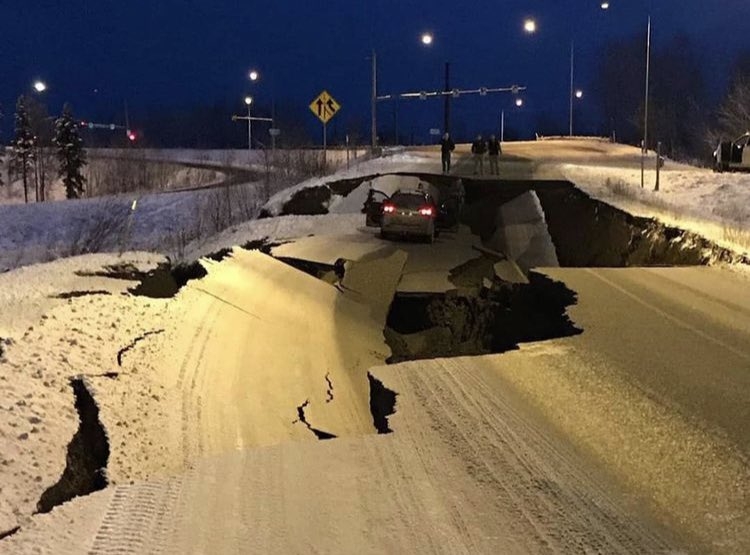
253 340
508 271
373 280
522 233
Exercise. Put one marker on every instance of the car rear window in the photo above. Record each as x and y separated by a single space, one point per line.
405 200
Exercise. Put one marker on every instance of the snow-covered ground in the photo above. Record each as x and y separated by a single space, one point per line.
232 158
166 222
106 176
163 223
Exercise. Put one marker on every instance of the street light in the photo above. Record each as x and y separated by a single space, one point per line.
427 39
605 5
519 103
254 75
530 27
579 93
40 86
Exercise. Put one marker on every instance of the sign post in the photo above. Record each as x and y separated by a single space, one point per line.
325 107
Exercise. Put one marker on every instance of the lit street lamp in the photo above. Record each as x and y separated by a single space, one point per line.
427 39
530 27
519 103
40 86
254 75
579 93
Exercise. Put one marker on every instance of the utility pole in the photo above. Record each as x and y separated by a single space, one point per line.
572 62
374 102
644 148
447 115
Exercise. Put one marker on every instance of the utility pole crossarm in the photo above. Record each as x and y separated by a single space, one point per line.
515 89
246 118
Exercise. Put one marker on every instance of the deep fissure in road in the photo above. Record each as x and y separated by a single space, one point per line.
79 294
166 280
302 417
586 232
382 404
494 320
87 457
9 533
121 353
590 233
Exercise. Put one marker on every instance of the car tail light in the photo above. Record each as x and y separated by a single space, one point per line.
388 208
427 211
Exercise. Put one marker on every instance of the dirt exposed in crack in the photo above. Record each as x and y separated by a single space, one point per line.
382 404
329 390
493 320
166 280
8 533
4 342
313 201
78 294
129 346
87 458
301 417
315 269
590 233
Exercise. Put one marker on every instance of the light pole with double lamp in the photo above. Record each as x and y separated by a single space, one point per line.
530 26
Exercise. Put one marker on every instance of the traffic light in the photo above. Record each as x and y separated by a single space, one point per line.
131 136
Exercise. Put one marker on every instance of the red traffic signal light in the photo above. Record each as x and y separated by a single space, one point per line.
131 136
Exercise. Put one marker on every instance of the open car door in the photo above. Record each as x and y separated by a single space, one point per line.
374 207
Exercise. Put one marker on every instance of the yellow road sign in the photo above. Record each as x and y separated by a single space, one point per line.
325 107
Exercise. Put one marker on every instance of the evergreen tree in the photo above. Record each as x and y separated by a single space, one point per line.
70 154
23 144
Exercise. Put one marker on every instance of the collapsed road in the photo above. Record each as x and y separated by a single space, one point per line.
579 403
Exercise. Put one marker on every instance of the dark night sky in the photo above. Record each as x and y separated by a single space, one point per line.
168 52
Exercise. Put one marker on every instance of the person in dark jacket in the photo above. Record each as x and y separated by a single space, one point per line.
446 147
493 151
478 148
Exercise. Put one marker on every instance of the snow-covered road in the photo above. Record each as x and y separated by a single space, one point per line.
627 438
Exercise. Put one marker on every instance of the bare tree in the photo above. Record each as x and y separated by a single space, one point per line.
733 115
677 98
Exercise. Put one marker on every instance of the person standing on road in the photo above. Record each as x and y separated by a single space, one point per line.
493 151
446 147
478 148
